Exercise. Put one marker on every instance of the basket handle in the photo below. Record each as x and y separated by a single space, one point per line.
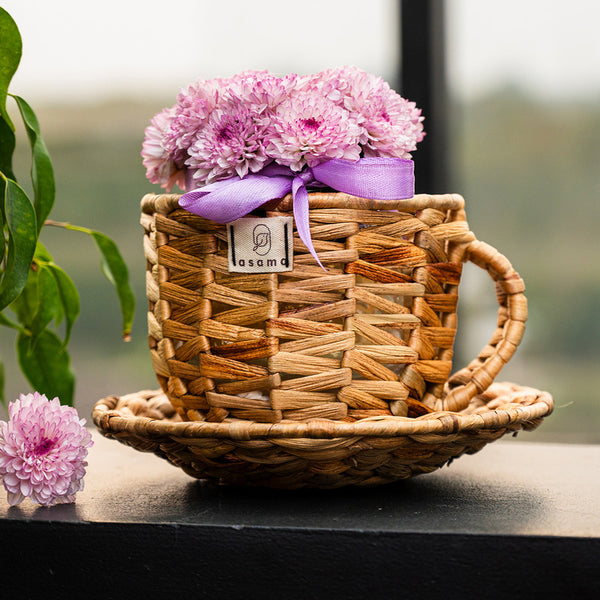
479 374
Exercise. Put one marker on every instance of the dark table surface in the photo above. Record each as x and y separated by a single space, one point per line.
509 487
520 514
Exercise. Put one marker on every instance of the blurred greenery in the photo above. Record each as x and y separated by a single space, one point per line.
528 171
530 175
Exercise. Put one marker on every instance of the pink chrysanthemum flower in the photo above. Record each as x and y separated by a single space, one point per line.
325 83
158 160
43 448
227 127
261 90
390 125
393 126
194 105
308 129
230 143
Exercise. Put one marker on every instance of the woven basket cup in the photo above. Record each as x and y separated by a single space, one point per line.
369 338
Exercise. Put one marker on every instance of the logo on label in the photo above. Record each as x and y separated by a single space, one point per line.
260 245
261 238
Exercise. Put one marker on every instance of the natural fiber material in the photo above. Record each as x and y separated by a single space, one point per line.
371 337
318 453
314 378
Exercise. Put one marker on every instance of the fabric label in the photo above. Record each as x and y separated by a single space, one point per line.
261 245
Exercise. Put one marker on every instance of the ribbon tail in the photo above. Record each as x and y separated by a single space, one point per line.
231 199
301 210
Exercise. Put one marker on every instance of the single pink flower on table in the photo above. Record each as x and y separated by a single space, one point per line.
43 447
308 129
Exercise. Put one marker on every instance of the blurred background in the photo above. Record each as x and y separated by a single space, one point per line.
523 123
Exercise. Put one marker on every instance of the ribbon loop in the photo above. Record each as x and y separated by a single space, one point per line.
375 178
230 199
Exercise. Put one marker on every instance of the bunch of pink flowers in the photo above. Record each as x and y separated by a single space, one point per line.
221 128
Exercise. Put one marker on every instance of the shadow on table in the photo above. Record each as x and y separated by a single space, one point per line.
436 502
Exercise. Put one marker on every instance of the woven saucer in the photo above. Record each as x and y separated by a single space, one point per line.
318 453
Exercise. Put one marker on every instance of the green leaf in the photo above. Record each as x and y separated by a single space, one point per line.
69 298
48 294
115 269
47 305
11 48
2 237
41 254
42 173
7 146
10 55
47 366
2 382
22 239
25 304
6 322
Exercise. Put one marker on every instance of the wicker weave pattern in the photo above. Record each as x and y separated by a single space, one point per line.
322 454
372 337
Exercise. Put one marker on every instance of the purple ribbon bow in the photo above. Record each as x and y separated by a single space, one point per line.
373 178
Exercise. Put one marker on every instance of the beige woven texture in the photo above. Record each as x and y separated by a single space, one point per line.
318 453
321 378
370 337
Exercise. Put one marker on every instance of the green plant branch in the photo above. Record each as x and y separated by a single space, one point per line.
38 292
114 268
67 225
